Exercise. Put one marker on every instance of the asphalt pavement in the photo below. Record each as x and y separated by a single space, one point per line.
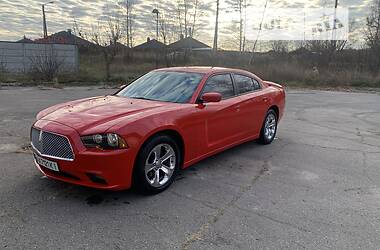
316 187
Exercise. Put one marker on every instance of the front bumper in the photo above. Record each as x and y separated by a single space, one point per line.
108 169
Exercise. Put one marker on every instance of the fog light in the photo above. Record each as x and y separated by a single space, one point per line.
96 179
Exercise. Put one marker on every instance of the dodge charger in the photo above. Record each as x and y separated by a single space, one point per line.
165 121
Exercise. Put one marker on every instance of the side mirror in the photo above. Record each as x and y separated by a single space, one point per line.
211 97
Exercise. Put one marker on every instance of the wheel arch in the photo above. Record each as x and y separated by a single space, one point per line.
173 133
276 110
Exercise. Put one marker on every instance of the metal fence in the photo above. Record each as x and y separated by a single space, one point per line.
20 57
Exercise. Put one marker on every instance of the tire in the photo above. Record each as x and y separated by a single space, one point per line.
153 173
269 128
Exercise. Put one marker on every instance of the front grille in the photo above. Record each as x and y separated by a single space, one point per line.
52 145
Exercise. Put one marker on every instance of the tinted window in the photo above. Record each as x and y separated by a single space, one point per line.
244 84
221 84
164 86
256 84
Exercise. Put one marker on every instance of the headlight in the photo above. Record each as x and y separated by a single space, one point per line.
104 141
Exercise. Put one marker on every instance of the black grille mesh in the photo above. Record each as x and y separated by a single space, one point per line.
51 144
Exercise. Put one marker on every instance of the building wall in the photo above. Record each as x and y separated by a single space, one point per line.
20 57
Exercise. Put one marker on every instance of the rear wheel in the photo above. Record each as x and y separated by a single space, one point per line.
269 128
157 165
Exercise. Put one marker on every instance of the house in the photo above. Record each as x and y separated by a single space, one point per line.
188 43
151 45
118 47
66 37
25 40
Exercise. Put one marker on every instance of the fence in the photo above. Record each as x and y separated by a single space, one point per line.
20 57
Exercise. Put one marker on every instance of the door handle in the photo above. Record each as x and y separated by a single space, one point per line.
237 108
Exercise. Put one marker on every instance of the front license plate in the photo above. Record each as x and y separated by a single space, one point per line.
46 163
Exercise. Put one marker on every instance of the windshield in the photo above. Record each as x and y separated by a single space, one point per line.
167 86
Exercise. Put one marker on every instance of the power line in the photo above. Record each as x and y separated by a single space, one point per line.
259 32
261 25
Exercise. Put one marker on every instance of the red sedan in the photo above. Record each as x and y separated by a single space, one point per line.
144 134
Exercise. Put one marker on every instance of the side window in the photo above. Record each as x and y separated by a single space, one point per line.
221 84
256 84
244 84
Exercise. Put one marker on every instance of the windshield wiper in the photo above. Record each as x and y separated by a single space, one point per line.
141 98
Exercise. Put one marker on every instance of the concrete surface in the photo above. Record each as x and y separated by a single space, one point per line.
316 187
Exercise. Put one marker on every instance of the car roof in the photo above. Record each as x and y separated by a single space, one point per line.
203 69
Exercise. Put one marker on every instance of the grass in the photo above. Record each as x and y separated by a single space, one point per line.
291 72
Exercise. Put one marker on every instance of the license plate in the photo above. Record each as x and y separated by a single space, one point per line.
46 163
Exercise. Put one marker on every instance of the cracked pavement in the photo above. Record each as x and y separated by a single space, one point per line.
316 187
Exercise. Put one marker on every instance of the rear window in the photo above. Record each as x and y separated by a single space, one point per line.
245 84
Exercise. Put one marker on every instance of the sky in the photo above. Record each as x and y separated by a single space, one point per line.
23 17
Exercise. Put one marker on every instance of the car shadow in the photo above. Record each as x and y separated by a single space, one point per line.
94 197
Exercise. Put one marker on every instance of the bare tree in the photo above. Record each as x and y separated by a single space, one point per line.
185 14
372 35
232 41
163 29
245 24
238 6
279 46
251 60
325 49
107 36
179 17
195 15
77 30
3 66
128 7
169 28
188 12
114 33
45 66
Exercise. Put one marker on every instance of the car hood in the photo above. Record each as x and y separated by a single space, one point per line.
98 112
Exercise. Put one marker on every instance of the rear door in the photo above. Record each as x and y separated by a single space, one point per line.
253 103
222 119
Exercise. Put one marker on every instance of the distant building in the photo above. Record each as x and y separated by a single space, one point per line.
66 37
118 46
188 43
25 40
151 45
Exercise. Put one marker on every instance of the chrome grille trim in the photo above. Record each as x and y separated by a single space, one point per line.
51 145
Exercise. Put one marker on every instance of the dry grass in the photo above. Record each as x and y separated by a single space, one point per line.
287 69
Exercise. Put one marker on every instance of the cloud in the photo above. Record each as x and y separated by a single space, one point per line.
23 17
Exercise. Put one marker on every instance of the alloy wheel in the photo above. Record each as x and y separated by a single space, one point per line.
160 165
270 127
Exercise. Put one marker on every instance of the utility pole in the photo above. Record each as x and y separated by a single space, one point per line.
241 25
336 6
44 18
334 26
155 11
44 21
215 46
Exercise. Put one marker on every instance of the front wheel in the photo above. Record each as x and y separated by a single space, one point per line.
157 164
269 128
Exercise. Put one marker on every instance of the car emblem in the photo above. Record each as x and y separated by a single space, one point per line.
40 136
